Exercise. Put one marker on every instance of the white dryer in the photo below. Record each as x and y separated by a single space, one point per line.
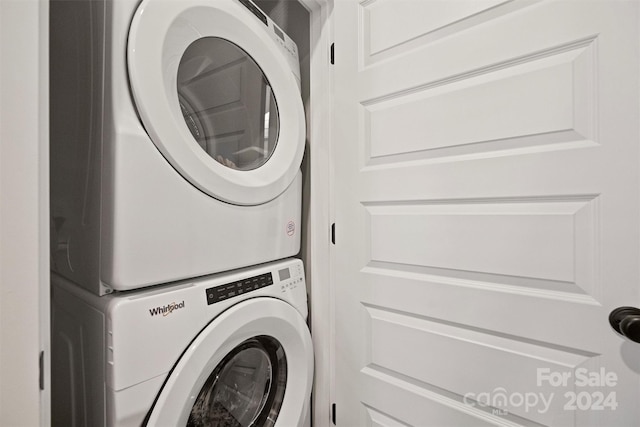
232 349
177 133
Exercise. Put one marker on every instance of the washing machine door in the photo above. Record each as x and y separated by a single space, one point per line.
251 366
217 96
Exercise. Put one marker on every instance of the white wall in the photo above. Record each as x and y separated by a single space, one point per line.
24 211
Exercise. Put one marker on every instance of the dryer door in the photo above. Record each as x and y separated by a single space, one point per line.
251 366
217 96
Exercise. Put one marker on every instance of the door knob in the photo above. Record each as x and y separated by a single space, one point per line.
626 322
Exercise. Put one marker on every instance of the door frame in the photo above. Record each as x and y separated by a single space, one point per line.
24 213
318 210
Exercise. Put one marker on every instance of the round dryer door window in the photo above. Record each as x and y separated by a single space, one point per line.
246 388
227 103
218 97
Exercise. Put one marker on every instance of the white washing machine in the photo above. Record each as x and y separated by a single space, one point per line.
231 349
177 133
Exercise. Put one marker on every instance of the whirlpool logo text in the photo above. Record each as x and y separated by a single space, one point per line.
167 309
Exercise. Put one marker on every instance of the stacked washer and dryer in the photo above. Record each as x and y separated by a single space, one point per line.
177 133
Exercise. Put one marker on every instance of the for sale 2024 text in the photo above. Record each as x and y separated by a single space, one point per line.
586 391
590 397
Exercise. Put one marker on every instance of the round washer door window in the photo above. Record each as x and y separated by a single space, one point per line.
217 97
227 103
246 388
250 366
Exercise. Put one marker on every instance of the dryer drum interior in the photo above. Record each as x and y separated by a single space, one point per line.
227 103
245 389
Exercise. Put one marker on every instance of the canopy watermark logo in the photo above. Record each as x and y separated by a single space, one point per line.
584 390
499 399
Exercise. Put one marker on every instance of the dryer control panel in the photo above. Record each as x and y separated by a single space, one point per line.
286 44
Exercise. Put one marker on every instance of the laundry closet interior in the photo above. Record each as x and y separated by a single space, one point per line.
180 212
342 212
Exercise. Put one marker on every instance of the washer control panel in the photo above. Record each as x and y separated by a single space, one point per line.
285 279
230 290
290 278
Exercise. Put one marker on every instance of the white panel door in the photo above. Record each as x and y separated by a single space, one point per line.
487 212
